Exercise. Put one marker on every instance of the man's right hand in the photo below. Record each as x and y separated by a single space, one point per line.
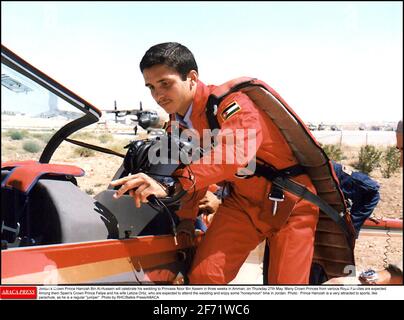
140 186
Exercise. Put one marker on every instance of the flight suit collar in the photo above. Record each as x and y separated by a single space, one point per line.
201 97
198 116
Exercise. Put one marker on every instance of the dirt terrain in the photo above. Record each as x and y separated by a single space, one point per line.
100 169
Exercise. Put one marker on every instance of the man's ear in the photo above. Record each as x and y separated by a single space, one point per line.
193 76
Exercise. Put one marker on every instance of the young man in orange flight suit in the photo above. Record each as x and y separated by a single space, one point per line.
246 216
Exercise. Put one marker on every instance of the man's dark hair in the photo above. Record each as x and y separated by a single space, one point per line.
171 54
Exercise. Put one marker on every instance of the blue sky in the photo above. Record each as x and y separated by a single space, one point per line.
338 61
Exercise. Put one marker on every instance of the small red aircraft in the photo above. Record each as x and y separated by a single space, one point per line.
54 233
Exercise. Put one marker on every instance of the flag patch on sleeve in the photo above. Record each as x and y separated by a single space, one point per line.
230 110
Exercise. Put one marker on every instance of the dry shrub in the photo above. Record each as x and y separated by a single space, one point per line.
105 137
31 146
390 162
84 152
369 159
17 134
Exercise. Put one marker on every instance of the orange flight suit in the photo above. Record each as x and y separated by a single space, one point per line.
245 218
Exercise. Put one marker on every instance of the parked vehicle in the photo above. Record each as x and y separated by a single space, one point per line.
311 126
335 128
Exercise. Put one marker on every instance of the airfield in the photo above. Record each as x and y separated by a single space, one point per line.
348 137
369 250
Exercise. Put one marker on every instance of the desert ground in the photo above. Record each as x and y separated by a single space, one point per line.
100 168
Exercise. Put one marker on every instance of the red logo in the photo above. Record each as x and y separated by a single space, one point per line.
18 292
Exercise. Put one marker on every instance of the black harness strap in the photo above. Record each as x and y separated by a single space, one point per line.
281 179
270 172
211 111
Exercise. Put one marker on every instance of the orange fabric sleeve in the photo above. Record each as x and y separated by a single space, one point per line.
243 134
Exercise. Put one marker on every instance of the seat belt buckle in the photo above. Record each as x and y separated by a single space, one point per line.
276 195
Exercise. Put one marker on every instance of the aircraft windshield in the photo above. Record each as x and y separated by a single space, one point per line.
30 115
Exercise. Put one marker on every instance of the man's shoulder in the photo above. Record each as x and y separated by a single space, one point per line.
232 104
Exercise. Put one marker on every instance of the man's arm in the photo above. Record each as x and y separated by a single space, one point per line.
239 138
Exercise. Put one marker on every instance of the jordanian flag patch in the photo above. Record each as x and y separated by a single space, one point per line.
230 110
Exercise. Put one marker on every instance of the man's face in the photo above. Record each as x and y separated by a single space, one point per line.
172 93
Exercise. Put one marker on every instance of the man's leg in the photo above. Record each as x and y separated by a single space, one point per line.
292 248
226 245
